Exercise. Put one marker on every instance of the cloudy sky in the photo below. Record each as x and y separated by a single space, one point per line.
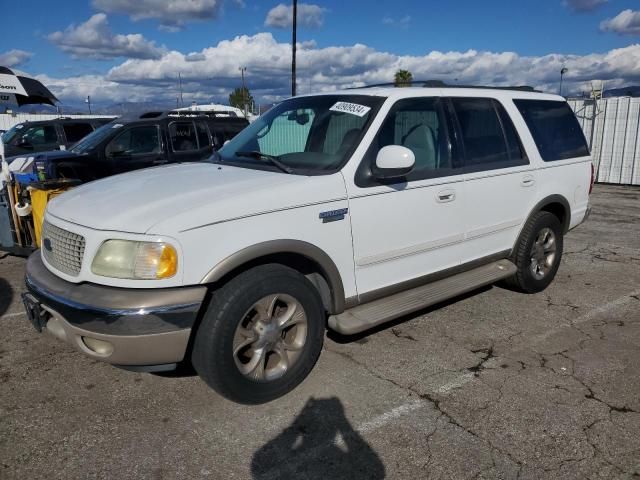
133 50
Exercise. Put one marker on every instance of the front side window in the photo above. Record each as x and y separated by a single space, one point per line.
419 125
554 128
40 135
488 136
307 135
76 131
183 136
135 141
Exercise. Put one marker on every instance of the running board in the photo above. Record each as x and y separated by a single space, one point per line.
369 315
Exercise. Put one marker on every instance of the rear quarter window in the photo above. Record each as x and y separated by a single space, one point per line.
554 128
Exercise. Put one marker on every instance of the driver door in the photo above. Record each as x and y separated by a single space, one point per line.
134 148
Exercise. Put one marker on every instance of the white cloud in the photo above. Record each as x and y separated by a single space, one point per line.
402 22
94 39
215 70
14 58
626 22
309 15
172 14
582 6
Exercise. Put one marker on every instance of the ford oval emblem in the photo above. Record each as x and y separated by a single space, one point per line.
47 244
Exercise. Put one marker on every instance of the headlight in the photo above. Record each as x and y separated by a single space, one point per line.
135 260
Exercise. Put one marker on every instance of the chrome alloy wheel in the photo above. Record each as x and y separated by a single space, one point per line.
543 253
270 337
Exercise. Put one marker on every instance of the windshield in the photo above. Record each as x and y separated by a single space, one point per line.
12 133
309 135
92 140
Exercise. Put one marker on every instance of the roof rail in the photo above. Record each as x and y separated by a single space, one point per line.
441 84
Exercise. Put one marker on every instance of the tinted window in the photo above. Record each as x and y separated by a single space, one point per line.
203 135
76 131
183 136
481 132
554 128
135 141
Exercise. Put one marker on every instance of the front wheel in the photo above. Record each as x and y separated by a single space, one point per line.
261 335
537 254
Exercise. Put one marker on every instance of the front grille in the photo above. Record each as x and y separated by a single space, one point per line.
62 249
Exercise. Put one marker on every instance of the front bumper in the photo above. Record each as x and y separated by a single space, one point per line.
124 327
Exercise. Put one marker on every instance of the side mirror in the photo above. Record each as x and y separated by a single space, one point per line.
24 143
394 161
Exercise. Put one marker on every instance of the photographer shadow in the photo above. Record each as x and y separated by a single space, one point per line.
319 444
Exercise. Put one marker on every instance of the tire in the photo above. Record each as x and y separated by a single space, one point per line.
535 274
261 335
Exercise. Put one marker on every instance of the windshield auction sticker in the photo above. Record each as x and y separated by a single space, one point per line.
352 108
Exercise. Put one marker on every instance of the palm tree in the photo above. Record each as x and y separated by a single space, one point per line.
403 78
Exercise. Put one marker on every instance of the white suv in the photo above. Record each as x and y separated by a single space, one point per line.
346 209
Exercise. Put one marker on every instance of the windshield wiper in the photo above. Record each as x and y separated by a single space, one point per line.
264 156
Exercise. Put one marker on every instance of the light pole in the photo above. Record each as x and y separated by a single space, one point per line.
89 103
244 90
562 72
293 46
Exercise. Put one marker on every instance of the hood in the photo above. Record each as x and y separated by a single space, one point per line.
169 199
40 156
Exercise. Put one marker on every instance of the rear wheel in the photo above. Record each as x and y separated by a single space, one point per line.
537 254
261 335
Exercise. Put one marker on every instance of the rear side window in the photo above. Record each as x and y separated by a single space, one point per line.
554 128
183 136
488 136
76 131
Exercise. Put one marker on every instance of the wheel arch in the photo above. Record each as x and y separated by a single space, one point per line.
555 204
308 259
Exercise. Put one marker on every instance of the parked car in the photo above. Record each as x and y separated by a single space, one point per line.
147 140
347 209
29 137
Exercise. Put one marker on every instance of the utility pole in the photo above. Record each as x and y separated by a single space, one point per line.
244 91
293 45
89 103
180 86
562 72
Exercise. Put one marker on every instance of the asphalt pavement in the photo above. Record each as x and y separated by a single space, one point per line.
495 384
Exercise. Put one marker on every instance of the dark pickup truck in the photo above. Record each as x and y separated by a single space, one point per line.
147 140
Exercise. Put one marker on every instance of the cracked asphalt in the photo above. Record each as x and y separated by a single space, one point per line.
495 384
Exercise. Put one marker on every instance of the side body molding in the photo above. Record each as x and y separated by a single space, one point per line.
275 247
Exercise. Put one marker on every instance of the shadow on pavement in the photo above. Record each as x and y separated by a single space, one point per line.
319 444
6 296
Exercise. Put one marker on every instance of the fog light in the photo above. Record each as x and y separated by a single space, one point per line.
98 346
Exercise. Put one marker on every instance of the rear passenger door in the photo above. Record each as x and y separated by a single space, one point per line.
500 184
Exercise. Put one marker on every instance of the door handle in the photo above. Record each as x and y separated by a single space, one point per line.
527 181
446 196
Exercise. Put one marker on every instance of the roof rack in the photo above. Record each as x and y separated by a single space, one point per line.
441 84
187 113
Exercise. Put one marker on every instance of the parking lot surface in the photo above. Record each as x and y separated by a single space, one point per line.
492 385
